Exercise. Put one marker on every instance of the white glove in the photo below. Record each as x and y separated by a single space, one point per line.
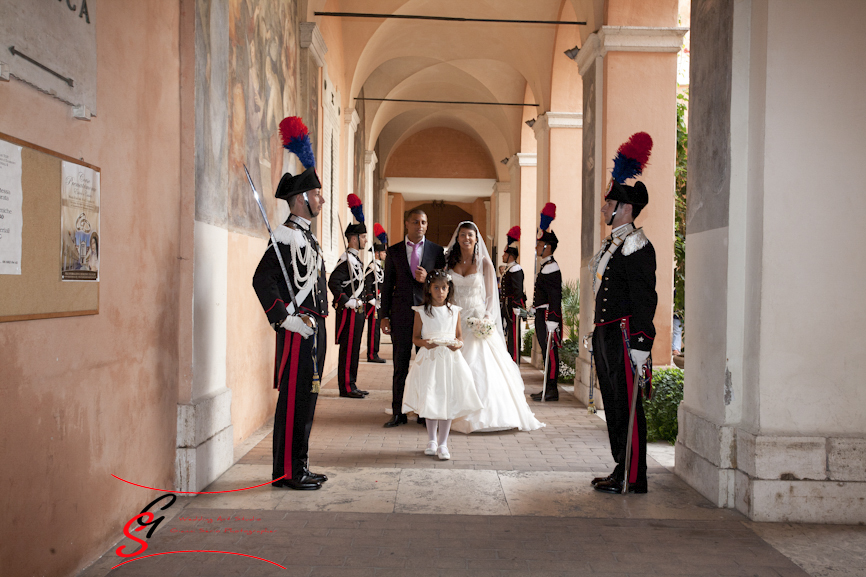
297 325
378 303
516 312
639 358
551 326
352 303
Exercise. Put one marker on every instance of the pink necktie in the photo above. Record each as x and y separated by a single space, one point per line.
416 255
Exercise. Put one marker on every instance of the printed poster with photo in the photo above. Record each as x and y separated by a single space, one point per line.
79 223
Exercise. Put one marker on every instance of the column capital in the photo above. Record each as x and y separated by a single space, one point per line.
502 188
628 39
351 119
310 37
383 185
562 119
370 159
527 159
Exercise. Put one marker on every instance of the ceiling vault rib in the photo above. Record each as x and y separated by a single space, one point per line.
445 101
446 18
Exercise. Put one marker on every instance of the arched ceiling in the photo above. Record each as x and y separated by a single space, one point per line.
451 61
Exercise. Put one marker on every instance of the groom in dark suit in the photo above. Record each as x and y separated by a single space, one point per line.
406 267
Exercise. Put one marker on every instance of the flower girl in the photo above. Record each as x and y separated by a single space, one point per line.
439 386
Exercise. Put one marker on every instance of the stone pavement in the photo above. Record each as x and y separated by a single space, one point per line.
506 504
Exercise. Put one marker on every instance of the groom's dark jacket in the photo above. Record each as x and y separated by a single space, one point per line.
400 290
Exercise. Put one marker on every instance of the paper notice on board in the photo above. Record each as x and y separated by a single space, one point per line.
11 200
79 223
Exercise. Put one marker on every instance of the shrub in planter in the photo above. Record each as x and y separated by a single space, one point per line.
661 410
527 343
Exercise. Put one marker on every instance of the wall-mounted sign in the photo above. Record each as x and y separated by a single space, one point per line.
51 44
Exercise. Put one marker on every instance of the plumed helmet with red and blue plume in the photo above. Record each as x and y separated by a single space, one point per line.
296 138
548 213
630 160
631 157
379 233
357 207
513 234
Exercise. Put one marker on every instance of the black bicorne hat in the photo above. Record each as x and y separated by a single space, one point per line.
636 195
379 247
355 229
291 185
512 250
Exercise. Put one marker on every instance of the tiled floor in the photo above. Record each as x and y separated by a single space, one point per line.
506 504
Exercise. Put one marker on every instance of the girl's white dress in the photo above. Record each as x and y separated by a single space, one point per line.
439 384
497 377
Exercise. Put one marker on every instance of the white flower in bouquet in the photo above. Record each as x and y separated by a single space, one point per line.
480 327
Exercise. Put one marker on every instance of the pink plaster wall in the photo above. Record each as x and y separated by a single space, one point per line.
250 341
86 397
652 109
641 12
440 153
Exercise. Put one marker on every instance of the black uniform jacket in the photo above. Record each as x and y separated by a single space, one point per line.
270 285
511 287
400 290
344 283
628 289
373 279
548 290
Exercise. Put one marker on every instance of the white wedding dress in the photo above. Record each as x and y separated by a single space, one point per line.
497 377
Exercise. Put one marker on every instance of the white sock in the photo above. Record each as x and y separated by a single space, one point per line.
444 429
432 425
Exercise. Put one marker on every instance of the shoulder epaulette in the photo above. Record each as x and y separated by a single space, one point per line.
550 267
634 242
284 234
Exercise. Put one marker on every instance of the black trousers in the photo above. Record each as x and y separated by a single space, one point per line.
349 338
551 355
615 383
512 334
401 337
373 334
296 405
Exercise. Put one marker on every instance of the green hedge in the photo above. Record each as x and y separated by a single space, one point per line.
527 343
661 410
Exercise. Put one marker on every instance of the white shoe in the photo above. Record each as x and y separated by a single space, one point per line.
431 448
443 453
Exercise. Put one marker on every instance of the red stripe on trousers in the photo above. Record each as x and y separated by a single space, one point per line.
342 324
290 402
371 353
286 341
349 347
629 381
552 362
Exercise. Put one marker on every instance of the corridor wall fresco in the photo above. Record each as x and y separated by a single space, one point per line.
262 74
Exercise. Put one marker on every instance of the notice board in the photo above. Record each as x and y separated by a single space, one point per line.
39 292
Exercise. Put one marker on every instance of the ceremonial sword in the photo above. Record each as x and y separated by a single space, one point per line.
638 382
273 241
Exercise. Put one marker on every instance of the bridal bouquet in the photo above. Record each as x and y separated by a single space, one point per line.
480 327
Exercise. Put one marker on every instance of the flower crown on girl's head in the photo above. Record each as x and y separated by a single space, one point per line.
438 274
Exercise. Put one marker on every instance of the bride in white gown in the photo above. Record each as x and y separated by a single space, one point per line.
497 377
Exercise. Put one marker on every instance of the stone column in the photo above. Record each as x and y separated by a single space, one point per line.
772 419
351 121
384 205
502 218
561 144
370 161
629 85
